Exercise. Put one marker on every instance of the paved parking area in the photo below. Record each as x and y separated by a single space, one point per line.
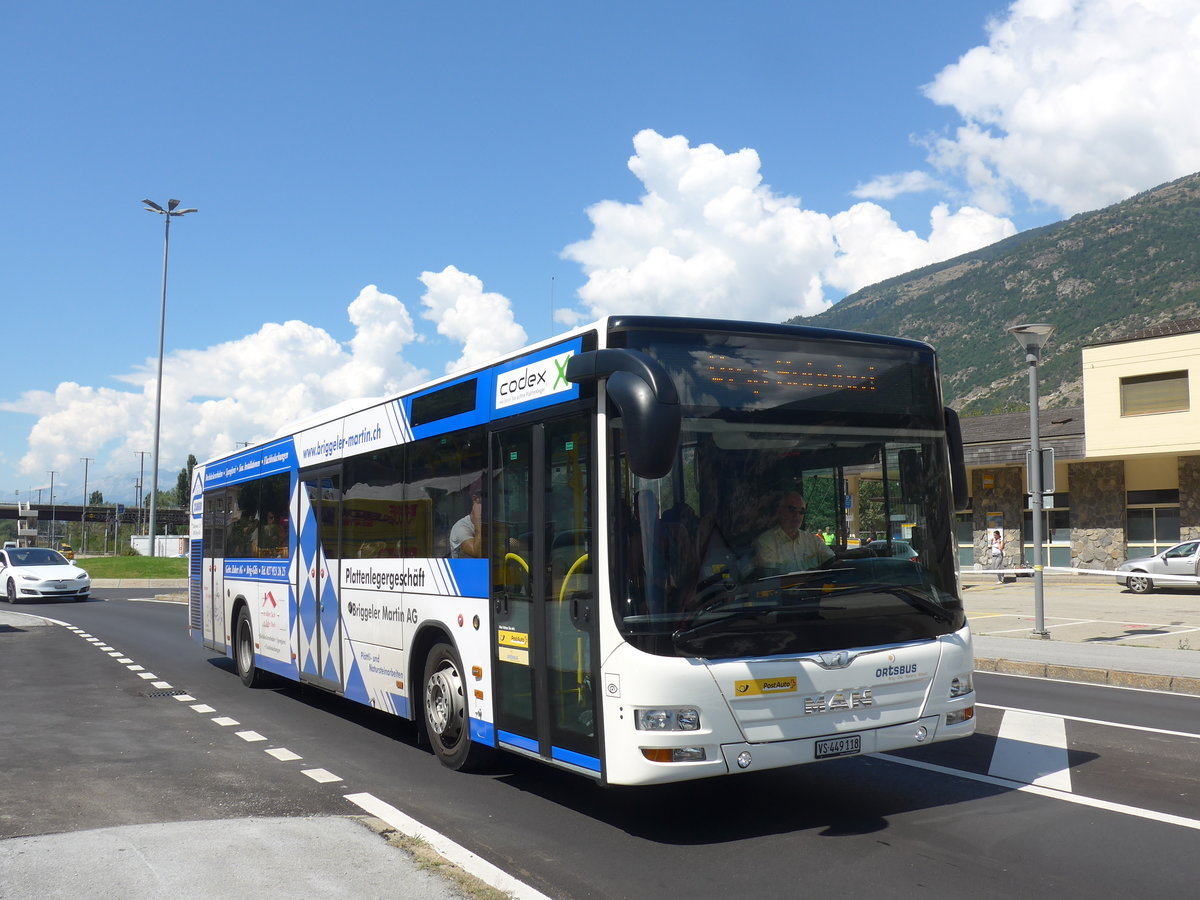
1085 609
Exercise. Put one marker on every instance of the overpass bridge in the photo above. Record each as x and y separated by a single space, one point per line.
123 515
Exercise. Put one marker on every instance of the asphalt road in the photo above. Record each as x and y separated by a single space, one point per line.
1067 790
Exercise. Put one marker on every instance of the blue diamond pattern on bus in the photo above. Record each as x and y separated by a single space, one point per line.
307 612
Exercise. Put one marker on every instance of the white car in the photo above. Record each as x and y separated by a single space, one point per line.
1182 561
34 572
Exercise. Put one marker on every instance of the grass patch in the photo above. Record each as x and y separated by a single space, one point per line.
135 566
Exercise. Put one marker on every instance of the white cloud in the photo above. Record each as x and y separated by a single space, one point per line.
1075 103
889 187
709 238
483 322
245 389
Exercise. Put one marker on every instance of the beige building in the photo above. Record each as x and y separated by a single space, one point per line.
1127 463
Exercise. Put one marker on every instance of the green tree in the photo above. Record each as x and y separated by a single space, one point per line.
183 483
96 498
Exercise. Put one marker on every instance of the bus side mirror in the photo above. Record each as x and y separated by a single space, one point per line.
958 463
645 395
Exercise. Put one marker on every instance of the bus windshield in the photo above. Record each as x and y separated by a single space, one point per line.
806 510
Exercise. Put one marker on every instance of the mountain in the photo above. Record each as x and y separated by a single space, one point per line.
1096 276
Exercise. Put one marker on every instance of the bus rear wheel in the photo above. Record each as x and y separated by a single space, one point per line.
243 650
445 710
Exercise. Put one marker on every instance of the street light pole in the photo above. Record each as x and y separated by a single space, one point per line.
1031 339
167 214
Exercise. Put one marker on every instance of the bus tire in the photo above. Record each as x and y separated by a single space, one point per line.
444 710
243 651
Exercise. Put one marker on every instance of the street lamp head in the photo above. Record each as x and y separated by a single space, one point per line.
171 204
1031 338
184 212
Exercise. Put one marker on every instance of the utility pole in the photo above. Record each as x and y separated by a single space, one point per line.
53 514
138 493
83 522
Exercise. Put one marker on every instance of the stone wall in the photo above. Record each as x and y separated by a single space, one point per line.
1189 498
1097 514
1007 497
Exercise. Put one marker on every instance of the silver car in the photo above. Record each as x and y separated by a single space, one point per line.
1182 560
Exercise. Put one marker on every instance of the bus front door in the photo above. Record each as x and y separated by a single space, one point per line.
318 608
543 592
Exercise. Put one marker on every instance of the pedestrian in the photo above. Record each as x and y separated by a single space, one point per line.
996 554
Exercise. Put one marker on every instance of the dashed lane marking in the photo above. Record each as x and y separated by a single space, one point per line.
321 776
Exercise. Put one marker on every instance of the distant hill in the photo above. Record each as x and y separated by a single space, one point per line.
1097 276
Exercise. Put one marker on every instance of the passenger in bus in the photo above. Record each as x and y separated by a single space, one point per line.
464 535
787 547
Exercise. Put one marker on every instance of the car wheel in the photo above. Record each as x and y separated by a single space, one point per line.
243 651
445 710
1140 584
11 591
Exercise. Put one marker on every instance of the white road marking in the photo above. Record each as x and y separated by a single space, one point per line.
203 708
116 653
1183 734
283 754
149 676
1032 748
136 668
162 685
185 698
225 721
1093 684
1123 809
125 659
456 853
321 776
250 736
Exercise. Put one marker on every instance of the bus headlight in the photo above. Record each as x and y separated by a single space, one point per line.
684 719
961 686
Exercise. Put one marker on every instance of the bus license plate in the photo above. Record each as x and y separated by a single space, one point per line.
847 745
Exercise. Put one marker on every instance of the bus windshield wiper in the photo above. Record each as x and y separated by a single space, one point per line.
919 599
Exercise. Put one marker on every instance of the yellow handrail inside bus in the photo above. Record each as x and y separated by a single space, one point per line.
562 594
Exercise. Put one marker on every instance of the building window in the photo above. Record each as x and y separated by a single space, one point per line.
1151 528
1145 394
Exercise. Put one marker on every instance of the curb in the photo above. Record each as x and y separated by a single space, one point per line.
1175 684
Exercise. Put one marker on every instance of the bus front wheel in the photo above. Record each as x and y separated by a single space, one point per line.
445 710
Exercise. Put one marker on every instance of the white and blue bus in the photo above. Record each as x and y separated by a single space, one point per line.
574 553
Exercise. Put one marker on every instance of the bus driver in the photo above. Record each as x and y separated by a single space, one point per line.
787 547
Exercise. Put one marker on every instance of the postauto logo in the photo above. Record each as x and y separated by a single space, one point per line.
533 381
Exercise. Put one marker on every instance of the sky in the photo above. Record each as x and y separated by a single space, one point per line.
391 191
